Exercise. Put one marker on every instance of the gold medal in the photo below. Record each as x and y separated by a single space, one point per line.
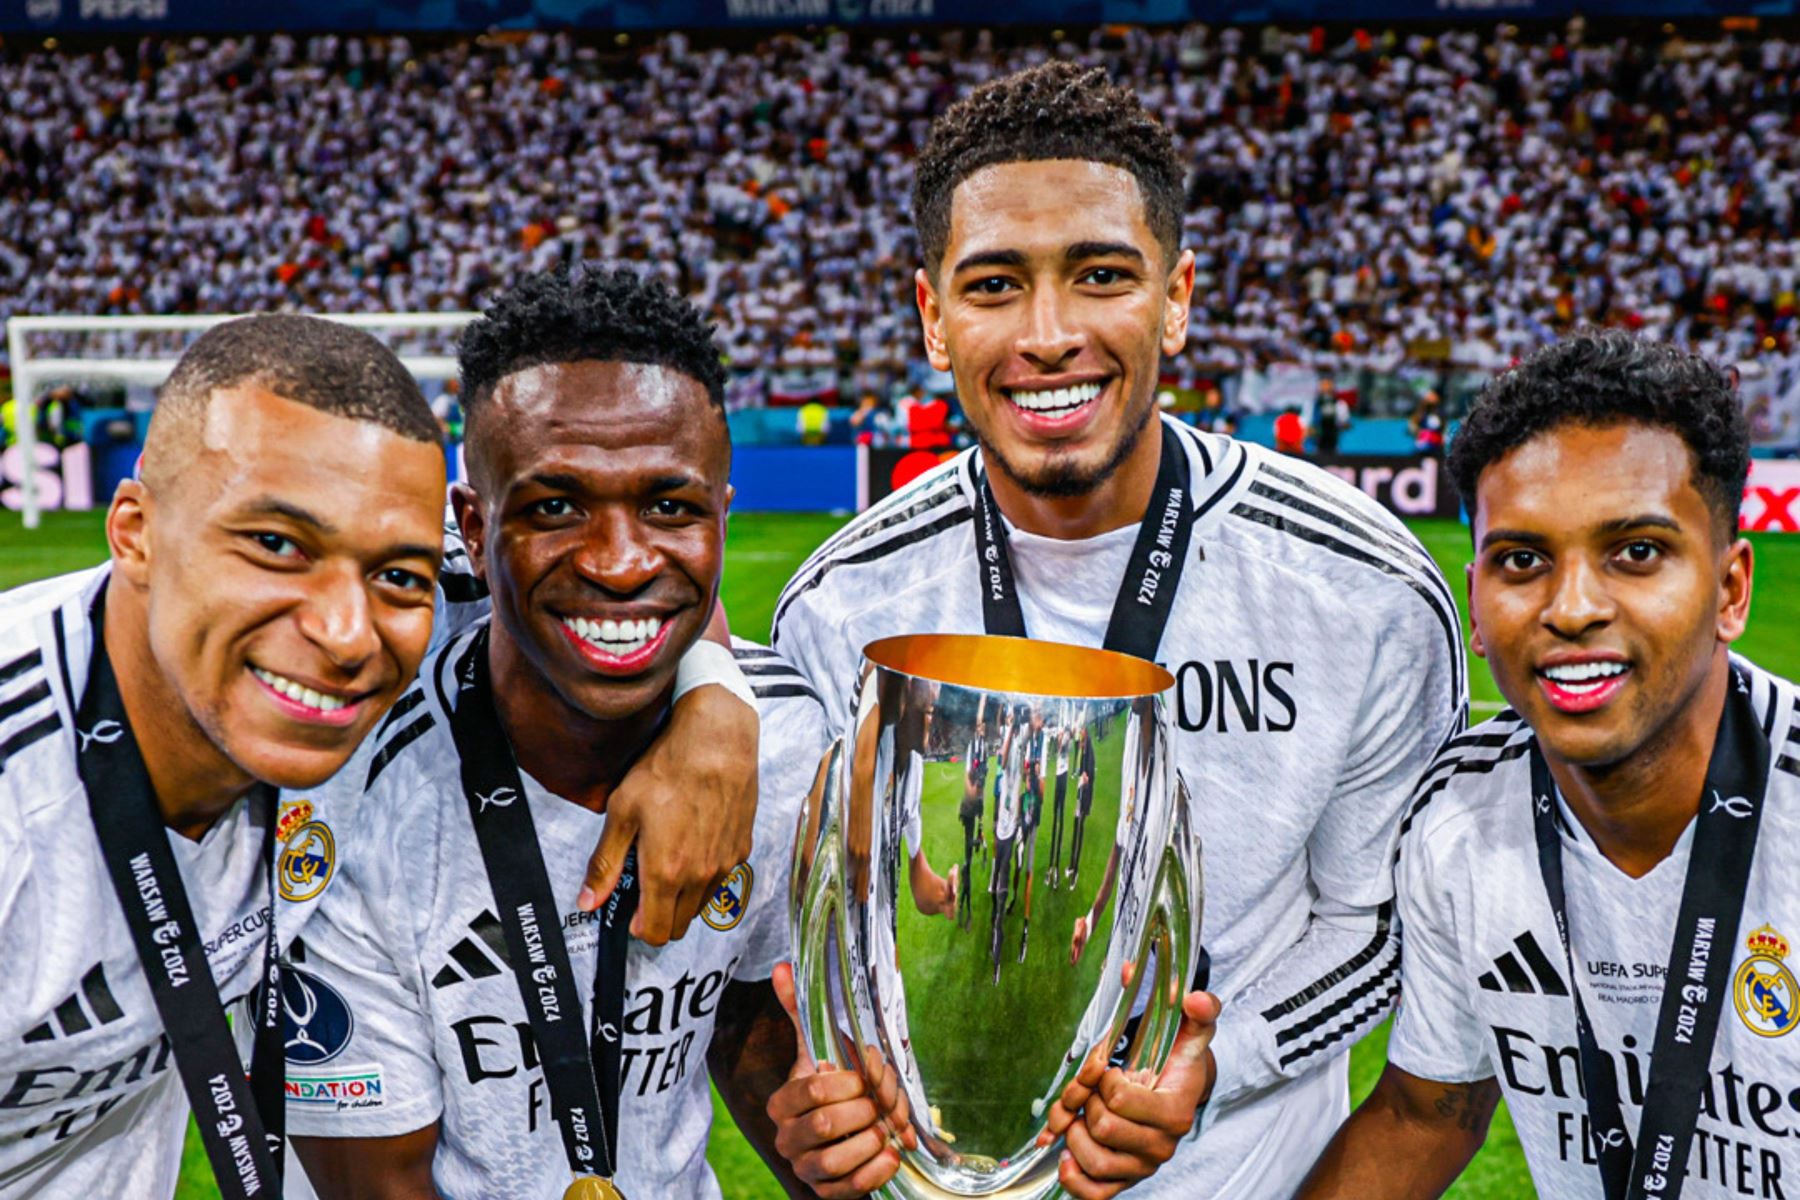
593 1187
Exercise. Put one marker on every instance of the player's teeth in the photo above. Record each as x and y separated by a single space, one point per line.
1055 399
1585 672
614 636
299 693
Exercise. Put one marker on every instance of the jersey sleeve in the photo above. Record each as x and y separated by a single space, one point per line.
1436 1033
368 1070
823 650
793 742
1339 980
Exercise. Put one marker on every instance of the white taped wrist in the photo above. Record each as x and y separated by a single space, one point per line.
708 662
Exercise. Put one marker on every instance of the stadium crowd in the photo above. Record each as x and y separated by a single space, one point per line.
1364 200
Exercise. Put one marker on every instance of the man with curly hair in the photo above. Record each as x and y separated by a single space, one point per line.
1597 885
457 1026
1316 648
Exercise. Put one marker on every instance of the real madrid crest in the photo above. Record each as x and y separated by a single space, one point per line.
1764 989
730 899
308 853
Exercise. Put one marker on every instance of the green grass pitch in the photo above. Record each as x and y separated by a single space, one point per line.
763 551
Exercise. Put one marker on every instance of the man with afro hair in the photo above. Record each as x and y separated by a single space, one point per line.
1316 648
459 1024
1597 885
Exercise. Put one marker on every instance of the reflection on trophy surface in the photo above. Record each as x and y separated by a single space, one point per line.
990 854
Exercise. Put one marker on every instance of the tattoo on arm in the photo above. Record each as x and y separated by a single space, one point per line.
1469 1105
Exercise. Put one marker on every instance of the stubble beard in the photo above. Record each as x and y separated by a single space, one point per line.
1065 479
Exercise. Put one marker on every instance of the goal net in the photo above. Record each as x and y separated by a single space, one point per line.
116 364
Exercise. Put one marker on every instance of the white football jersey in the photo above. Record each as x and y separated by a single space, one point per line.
1485 987
414 1016
1319 667
90 1101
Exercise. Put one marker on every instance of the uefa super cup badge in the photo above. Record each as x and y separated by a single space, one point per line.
1764 989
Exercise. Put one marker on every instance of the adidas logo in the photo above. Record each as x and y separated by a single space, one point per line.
73 1017
481 956
1509 975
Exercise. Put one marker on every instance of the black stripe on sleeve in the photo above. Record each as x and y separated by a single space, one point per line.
880 550
1362 958
1323 1016
1380 1003
1447 619
395 745
784 691
1340 518
20 665
37 731
413 698
12 706
1478 766
877 520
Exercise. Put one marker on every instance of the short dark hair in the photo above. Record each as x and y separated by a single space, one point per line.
1607 378
322 364
599 316
1056 110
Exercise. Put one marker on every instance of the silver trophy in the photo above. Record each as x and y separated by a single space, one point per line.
996 874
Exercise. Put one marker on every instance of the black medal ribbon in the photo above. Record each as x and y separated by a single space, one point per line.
1653 1166
581 1068
242 1123
1147 593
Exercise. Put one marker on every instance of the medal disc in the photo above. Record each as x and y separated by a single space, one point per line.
592 1187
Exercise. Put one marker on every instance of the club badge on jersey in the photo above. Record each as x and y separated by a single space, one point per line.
1764 990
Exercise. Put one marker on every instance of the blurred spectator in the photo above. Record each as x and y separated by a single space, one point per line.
1427 424
1290 432
814 423
1450 198
1331 414
863 418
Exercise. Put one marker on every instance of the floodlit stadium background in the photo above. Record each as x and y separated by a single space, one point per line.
1399 209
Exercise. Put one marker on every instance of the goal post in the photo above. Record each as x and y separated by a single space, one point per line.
33 368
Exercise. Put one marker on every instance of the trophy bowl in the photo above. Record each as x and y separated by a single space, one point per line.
996 875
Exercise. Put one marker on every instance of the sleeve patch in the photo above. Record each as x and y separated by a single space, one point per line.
342 1089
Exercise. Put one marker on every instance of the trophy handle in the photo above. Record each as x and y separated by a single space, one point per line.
822 960
1173 937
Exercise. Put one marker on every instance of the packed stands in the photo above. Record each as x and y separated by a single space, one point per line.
1372 204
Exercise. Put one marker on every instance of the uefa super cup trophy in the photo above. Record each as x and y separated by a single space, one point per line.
996 876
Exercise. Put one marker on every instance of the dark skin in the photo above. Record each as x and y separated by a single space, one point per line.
588 512
280 539
1593 545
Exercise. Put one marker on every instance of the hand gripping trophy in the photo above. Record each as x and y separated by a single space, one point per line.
923 950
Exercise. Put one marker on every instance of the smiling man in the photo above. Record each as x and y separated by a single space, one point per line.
1315 646
458 1027
1633 820
269 597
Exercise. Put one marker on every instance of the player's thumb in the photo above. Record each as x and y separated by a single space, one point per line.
607 863
1199 1021
783 979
